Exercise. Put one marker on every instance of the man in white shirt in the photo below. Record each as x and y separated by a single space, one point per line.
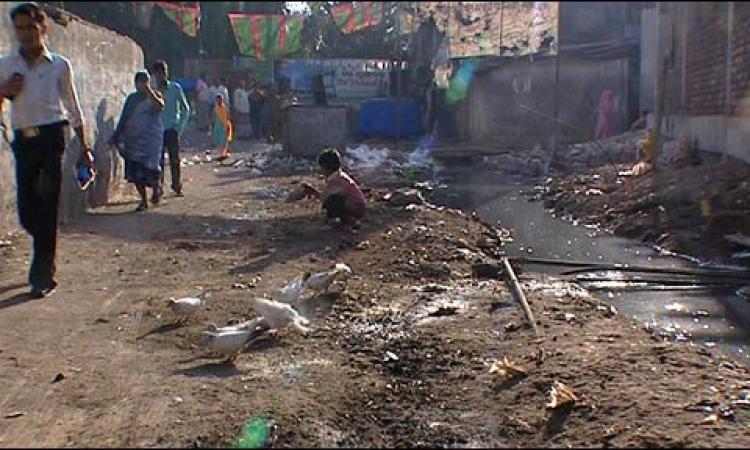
242 111
39 83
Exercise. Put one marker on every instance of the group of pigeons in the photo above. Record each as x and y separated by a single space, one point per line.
273 314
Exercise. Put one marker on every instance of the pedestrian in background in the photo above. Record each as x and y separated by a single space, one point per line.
242 110
38 83
175 117
140 132
223 130
203 114
256 100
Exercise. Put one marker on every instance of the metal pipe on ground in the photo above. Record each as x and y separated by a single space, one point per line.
515 287
592 267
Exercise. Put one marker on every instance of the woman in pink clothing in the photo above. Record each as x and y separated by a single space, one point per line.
606 115
342 197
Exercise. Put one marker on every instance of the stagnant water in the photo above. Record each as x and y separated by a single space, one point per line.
716 318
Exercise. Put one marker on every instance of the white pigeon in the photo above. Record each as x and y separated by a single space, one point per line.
228 342
278 315
291 292
252 325
184 307
322 281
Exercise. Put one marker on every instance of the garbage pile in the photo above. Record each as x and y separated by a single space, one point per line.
381 165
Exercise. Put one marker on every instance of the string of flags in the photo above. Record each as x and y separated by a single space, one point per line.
185 15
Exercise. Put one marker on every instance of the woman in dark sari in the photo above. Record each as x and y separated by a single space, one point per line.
139 135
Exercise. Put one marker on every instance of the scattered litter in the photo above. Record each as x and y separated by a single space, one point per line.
568 317
15 414
390 356
710 420
445 310
254 434
744 292
404 197
506 370
675 307
5 243
511 326
366 158
592 191
560 395
296 195
58 377
364 245
432 288
177 400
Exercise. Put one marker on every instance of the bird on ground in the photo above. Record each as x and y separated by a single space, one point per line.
291 292
322 281
229 342
278 315
257 324
185 307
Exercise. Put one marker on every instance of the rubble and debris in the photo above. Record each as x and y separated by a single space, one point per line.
560 395
506 370
403 197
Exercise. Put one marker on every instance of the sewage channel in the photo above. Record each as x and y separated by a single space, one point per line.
714 317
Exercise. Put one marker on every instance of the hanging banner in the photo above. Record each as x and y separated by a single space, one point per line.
143 12
355 16
186 17
268 36
492 28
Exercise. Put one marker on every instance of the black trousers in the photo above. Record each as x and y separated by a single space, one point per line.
256 121
38 179
172 145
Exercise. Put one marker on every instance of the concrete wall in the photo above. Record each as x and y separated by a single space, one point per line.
104 63
308 129
492 114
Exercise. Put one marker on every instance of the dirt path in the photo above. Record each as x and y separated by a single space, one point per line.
385 364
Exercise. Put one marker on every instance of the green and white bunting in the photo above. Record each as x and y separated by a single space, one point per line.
268 36
355 16
186 17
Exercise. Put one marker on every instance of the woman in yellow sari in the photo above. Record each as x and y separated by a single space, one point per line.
223 130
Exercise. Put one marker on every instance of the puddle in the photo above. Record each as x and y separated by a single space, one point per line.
644 301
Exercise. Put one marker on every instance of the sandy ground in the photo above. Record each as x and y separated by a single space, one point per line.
387 364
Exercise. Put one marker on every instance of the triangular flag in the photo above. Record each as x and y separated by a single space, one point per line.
356 16
186 17
143 12
268 36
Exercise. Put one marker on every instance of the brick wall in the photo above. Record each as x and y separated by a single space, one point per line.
705 74
740 56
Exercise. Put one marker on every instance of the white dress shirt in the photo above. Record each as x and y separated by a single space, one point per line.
47 87
241 102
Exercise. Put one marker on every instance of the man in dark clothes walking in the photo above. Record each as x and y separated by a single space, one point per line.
38 82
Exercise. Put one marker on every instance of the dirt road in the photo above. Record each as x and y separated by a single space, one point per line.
387 364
